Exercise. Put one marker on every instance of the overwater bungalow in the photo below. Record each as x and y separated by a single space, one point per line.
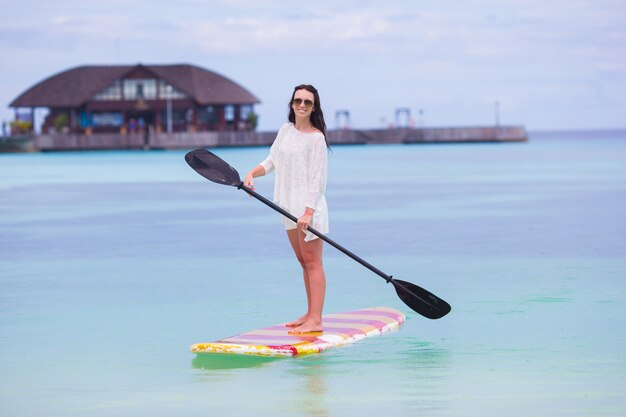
125 99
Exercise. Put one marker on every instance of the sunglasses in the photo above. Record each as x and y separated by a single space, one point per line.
307 103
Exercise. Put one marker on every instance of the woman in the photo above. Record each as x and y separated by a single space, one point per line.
299 157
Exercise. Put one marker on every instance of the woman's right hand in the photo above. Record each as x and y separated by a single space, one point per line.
249 181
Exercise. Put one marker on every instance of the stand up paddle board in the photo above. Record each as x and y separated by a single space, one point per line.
339 329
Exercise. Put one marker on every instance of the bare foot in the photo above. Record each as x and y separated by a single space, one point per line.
307 327
298 322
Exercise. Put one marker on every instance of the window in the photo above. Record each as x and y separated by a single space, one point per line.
113 92
140 89
107 119
168 91
207 115
179 117
229 113
244 111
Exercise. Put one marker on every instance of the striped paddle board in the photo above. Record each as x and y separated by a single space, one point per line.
339 329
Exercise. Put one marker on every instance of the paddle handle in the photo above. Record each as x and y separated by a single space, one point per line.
325 238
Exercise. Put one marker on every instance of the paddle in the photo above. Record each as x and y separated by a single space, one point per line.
215 169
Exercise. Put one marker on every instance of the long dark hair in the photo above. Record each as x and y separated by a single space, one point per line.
317 116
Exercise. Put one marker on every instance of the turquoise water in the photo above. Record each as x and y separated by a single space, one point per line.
113 263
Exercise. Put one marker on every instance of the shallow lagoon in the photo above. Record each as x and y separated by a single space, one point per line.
113 263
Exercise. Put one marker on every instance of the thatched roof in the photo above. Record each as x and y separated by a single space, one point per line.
76 86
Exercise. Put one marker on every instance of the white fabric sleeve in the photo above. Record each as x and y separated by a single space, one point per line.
317 173
268 163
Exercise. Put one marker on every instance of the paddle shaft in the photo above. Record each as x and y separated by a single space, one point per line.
326 239
426 298
213 168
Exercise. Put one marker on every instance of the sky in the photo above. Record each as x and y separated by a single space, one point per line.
547 65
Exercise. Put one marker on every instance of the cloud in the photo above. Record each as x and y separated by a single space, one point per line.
239 35
450 54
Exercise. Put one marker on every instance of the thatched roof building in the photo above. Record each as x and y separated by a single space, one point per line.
121 97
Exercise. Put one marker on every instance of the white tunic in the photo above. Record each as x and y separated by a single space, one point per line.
300 160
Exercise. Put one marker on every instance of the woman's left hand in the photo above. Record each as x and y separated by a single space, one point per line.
305 219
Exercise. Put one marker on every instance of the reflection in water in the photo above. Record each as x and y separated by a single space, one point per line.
409 377
311 399
398 374
310 384
217 361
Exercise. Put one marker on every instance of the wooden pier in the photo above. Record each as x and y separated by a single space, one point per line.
189 140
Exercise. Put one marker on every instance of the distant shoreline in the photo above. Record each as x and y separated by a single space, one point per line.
577 133
147 139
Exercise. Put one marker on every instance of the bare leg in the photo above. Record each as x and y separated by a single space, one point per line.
310 257
295 245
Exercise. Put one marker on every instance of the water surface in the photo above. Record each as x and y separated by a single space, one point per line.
113 263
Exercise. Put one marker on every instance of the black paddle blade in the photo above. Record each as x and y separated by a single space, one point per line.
212 167
420 300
